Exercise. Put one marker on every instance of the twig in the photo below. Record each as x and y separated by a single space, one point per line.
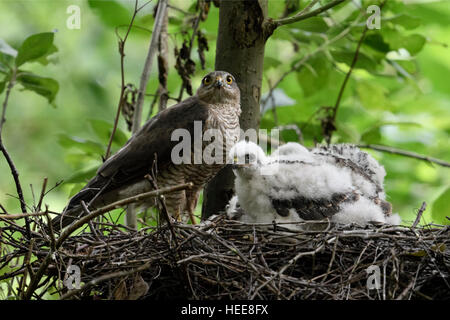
162 202
122 73
51 232
163 63
331 127
191 43
419 214
104 278
27 269
137 117
11 165
11 84
405 153
302 15
41 197
86 210
21 215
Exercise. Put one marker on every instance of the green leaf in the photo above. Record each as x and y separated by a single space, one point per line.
103 130
372 136
44 60
110 12
315 76
372 95
3 69
376 42
405 20
413 42
270 62
314 24
2 86
88 146
409 66
45 87
363 62
35 47
441 208
5 48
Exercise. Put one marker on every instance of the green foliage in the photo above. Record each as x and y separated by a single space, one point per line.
34 47
46 87
395 95
441 208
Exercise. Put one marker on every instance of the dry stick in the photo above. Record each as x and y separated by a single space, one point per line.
162 202
404 153
106 277
21 215
26 265
162 7
52 233
91 226
67 232
191 43
302 15
41 197
11 165
122 73
419 214
163 63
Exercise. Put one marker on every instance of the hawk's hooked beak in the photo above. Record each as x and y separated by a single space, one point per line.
219 82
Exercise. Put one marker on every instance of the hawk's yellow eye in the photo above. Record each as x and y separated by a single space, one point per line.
229 80
207 80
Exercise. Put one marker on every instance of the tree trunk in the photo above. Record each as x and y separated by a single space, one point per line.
240 51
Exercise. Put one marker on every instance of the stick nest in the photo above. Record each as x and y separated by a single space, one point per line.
227 259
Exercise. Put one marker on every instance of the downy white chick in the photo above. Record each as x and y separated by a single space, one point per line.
294 184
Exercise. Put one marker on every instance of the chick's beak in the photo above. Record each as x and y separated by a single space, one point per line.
236 165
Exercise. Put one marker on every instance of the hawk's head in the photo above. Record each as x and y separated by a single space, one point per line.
219 87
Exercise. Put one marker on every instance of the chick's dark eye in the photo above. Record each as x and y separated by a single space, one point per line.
247 158
207 80
229 80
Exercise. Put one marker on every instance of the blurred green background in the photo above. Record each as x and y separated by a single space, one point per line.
404 103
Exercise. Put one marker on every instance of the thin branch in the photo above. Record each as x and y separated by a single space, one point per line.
302 15
8 158
41 197
419 214
21 215
11 84
163 63
347 76
164 210
191 43
405 153
162 7
122 86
